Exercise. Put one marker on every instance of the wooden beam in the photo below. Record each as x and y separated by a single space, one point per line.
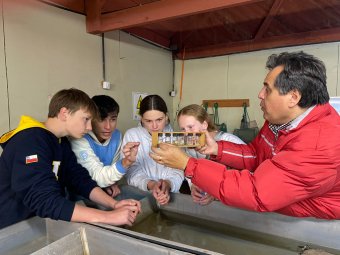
150 36
227 102
161 10
269 18
320 36
93 15
75 5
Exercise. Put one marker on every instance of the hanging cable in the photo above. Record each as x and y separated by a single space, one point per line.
216 118
6 69
103 57
173 74
181 84
182 76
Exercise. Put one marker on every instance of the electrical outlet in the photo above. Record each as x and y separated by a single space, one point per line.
106 85
172 93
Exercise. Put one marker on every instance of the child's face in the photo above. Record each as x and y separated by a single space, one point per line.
189 123
78 123
103 129
154 121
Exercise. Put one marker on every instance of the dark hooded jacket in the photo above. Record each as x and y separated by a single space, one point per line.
36 167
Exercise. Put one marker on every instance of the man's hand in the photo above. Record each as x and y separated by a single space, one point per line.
210 147
170 155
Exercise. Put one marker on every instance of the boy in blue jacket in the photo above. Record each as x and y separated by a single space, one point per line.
37 164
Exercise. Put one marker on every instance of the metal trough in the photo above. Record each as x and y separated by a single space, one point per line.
182 227
189 227
44 236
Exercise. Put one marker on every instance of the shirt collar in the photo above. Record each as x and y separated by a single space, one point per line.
298 119
291 124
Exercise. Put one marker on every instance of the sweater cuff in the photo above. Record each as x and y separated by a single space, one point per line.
119 166
89 189
66 211
219 153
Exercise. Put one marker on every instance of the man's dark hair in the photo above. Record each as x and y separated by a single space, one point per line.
302 72
105 105
152 102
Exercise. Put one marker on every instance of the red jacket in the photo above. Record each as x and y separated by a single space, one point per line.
298 174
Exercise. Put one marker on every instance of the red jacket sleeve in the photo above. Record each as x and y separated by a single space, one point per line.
238 156
277 183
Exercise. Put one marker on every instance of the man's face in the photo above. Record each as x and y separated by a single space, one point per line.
275 107
78 123
103 129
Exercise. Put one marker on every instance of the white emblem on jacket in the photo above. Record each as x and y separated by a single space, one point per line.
56 165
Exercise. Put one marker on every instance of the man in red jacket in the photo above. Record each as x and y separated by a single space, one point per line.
293 165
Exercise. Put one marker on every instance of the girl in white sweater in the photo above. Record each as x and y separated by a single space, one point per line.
145 173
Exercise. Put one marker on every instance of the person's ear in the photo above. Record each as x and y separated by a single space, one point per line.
295 97
204 125
63 113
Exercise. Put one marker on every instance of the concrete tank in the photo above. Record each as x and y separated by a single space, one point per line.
181 227
223 229
39 236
